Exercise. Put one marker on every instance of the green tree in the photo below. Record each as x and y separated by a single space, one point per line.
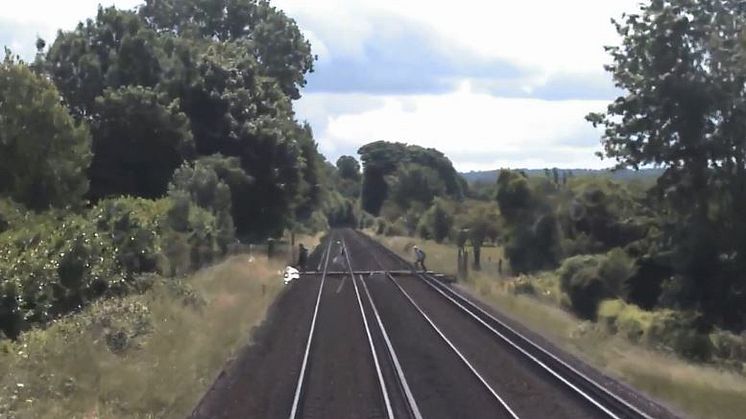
416 184
436 222
310 190
680 63
348 168
379 159
44 153
203 186
481 221
267 33
604 213
514 196
139 139
383 159
113 50
533 231
232 67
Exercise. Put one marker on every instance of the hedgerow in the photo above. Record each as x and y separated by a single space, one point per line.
55 263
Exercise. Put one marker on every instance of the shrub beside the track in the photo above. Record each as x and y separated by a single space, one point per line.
55 263
589 279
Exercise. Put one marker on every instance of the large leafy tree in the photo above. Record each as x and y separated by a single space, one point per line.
310 190
437 221
267 33
533 233
348 168
232 67
113 50
43 152
200 183
381 159
236 111
416 184
139 139
681 64
480 222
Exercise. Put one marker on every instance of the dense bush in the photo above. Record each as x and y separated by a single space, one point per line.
729 346
44 152
436 222
200 183
579 278
616 316
589 279
134 226
683 332
11 214
139 138
397 228
55 263
679 332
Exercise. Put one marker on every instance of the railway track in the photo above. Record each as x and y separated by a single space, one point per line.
301 382
365 336
453 387
605 403
392 398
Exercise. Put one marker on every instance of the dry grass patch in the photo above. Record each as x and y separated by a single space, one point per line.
143 356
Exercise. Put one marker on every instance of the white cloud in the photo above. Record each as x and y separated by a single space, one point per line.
477 130
556 36
560 43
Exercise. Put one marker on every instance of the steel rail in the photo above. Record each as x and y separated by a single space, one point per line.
414 410
448 342
302 375
608 410
363 272
456 350
379 373
612 405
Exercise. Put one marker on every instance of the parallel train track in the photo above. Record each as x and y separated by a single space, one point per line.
604 401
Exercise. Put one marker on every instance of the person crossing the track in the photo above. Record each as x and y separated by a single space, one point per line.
419 258
302 257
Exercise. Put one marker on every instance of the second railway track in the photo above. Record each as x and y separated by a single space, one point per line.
596 400
444 382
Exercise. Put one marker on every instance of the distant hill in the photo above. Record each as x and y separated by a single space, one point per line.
491 175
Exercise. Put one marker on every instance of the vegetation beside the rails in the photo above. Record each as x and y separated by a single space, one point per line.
137 148
152 354
142 144
147 142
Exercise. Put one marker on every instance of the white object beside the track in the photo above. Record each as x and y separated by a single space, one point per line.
290 274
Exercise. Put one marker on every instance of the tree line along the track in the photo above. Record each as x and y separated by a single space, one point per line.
175 134
186 109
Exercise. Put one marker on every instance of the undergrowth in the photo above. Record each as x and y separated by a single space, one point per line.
142 356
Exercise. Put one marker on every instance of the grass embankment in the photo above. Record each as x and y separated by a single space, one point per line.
146 356
700 390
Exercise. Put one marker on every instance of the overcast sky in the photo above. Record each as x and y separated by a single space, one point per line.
498 83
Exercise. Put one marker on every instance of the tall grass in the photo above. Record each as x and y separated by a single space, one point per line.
701 391
143 356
